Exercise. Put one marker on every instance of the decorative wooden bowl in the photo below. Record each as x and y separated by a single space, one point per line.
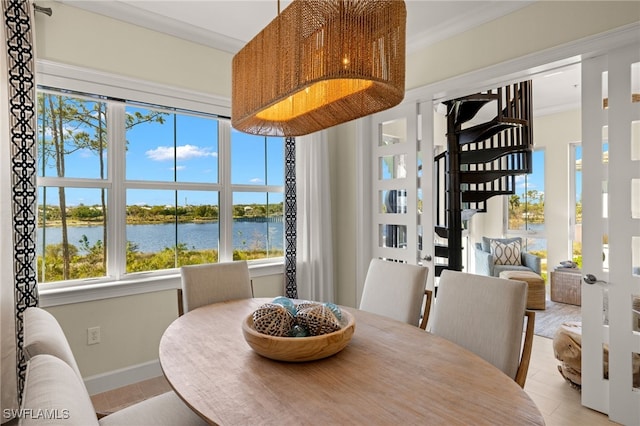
299 349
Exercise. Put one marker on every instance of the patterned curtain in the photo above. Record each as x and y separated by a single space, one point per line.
18 192
291 289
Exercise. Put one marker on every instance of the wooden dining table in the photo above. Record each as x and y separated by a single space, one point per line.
391 373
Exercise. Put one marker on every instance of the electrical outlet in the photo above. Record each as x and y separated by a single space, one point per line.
93 335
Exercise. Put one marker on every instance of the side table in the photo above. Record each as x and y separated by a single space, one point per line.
566 286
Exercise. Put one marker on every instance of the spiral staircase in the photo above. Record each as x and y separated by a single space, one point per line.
482 160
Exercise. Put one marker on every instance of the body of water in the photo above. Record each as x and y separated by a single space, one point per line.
535 241
154 238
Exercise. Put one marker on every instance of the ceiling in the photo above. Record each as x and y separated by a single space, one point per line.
229 24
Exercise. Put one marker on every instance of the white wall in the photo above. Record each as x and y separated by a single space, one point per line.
76 37
342 154
540 26
130 327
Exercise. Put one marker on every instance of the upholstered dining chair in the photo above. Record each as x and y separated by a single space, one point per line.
209 283
397 290
53 382
486 316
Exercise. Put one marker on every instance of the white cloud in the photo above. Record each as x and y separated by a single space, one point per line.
256 180
184 152
86 153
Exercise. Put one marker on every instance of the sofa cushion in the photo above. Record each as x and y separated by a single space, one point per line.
506 253
54 395
166 409
43 335
497 269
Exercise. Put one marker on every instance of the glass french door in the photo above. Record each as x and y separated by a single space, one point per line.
611 234
402 177
395 187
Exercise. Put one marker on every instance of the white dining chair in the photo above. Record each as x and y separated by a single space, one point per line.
486 316
397 290
209 283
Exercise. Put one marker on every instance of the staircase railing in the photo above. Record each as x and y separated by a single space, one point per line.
482 160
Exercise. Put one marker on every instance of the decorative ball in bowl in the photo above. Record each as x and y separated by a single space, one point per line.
315 339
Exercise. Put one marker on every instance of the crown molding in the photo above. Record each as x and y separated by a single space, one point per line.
160 23
156 22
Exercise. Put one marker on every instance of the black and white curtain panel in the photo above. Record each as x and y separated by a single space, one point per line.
308 235
290 213
18 193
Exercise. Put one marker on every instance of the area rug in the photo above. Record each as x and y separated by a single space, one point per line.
550 319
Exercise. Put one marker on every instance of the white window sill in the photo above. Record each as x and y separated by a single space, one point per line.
144 284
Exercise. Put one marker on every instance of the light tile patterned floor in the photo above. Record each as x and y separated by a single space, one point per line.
120 398
557 401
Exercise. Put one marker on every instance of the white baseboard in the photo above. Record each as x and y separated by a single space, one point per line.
122 377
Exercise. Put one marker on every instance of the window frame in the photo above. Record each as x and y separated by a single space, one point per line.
82 80
573 195
524 234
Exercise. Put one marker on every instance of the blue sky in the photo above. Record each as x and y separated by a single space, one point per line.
535 180
184 148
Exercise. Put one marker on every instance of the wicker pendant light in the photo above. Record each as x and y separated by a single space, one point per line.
320 63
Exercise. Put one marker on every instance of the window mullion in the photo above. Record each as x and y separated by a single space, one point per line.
225 253
117 200
257 188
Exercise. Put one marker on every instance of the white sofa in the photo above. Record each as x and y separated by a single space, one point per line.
55 394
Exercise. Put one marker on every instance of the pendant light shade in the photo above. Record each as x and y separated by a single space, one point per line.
320 63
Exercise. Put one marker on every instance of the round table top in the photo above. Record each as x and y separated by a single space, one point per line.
390 373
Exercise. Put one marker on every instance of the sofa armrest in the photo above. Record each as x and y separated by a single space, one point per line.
531 261
484 263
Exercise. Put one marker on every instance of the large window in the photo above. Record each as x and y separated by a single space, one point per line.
128 188
526 210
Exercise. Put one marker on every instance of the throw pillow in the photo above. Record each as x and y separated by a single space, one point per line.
506 254
486 242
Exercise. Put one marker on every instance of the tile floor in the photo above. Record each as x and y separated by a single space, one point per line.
557 401
120 398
